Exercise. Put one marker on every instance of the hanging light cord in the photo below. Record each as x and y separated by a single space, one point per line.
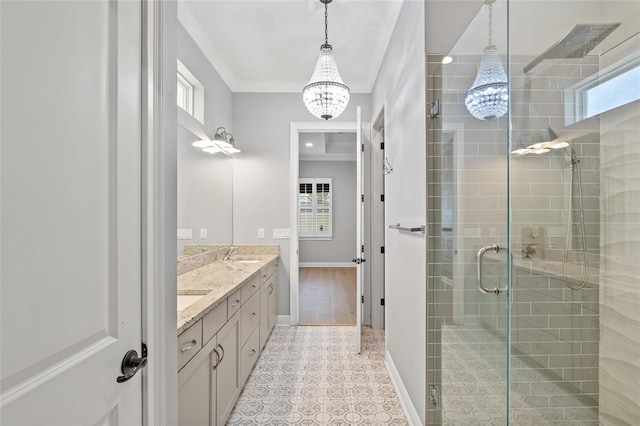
326 23
490 21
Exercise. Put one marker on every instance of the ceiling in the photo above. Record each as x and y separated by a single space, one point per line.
272 46
328 146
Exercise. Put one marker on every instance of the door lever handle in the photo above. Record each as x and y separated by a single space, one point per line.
131 363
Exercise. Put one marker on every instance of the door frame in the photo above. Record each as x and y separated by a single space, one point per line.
159 198
294 174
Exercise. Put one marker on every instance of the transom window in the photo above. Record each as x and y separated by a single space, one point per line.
315 208
185 94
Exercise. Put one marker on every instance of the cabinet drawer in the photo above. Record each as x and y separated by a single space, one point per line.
189 343
233 303
267 271
249 355
213 321
250 287
250 316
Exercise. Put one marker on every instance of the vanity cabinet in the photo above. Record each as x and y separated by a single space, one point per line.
217 353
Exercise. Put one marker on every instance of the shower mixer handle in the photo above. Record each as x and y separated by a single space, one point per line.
496 248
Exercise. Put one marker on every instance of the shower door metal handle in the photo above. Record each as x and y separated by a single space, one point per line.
481 253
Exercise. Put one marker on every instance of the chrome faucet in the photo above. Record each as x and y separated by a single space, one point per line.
229 252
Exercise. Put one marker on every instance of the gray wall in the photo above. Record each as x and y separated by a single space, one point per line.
400 87
341 248
204 180
261 171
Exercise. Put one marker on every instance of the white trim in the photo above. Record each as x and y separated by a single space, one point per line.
409 409
159 379
327 265
283 320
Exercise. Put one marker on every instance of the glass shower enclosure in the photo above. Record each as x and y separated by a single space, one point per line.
533 310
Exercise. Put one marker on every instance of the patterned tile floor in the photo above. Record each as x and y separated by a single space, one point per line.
474 378
313 376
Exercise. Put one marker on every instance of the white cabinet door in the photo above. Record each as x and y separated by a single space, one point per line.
264 314
273 303
70 214
228 371
194 398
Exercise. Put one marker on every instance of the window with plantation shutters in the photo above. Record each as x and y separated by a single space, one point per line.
315 208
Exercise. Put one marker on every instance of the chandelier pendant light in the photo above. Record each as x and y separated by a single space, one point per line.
488 98
326 96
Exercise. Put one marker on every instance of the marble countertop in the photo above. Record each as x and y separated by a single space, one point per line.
216 280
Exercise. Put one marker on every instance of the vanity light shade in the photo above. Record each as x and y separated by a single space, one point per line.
326 96
202 143
488 98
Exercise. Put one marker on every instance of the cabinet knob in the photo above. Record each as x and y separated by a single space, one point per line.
252 353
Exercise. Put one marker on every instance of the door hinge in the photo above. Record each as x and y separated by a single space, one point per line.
382 197
434 395
362 299
362 198
382 250
381 145
362 147
382 302
362 248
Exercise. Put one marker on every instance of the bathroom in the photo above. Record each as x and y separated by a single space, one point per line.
547 333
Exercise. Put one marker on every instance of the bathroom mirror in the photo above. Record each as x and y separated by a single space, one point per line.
204 194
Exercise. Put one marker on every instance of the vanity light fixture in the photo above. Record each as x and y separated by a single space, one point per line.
488 98
550 140
326 96
223 141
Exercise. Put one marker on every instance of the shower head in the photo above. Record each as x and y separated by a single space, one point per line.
577 44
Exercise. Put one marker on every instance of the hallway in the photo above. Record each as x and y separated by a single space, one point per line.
313 376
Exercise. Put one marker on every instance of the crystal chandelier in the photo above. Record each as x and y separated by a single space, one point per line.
488 98
326 96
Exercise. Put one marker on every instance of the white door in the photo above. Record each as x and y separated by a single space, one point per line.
359 259
70 257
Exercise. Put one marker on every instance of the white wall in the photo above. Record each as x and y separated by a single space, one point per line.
204 180
400 87
261 171
341 248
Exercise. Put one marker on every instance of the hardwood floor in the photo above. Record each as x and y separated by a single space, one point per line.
327 296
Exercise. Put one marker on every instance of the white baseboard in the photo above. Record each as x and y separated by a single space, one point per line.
283 320
327 265
405 401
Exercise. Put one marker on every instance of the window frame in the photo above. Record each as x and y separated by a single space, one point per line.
315 234
188 90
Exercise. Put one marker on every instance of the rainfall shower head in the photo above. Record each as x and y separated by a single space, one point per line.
577 44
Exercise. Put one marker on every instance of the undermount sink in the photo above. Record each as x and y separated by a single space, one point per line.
246 260
185 300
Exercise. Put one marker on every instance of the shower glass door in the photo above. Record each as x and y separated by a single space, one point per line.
543 204
468 325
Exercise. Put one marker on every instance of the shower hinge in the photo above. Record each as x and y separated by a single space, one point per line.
382 249
362 248
382 198
434 108
362 198
434 395
362 147
381 145
362 299
382 302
